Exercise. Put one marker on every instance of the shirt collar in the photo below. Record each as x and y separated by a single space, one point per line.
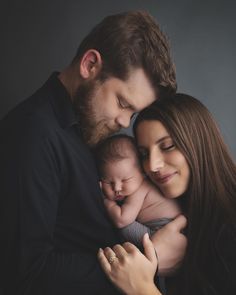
61 102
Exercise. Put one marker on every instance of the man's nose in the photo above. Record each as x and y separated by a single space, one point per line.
123 120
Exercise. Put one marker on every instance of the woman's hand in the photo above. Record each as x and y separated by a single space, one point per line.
170 244
129 269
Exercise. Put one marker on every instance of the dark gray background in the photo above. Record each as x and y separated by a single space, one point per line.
38 37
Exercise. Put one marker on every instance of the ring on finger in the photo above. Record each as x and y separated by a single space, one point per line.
112 258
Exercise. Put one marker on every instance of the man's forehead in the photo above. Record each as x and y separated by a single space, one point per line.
139 91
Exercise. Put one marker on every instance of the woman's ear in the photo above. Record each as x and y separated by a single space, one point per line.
90 64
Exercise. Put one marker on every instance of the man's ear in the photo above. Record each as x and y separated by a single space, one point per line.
90 64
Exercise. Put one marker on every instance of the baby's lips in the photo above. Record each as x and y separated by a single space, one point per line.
119 198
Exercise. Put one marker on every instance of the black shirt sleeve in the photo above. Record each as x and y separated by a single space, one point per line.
48 245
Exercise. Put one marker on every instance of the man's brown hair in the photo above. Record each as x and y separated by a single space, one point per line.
132 40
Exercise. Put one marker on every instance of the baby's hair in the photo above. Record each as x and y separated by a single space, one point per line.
116 148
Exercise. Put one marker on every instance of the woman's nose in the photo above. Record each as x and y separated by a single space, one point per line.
156 161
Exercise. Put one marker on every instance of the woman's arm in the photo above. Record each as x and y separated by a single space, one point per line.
129 269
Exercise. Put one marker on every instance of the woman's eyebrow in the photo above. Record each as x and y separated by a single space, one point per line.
158 141
163 138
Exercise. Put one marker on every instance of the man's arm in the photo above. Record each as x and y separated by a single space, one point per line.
31 187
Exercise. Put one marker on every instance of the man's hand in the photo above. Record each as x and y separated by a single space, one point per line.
170 245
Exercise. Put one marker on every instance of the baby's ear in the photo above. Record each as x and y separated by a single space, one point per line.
100 184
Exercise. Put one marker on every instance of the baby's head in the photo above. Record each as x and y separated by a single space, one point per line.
118 164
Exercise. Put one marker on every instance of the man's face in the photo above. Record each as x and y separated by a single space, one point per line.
105 108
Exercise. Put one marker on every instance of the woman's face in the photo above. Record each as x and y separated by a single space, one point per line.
162 161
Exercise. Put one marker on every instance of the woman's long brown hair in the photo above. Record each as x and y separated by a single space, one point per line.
210 201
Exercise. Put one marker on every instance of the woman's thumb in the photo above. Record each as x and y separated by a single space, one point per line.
149 250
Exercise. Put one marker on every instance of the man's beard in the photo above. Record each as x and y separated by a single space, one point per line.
93 130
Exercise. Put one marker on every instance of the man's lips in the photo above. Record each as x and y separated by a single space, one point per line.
163 178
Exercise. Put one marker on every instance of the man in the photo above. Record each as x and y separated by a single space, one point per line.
52 215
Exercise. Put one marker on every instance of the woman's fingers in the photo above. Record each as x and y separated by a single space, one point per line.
149 249
120 251
130 248
129 269
106 266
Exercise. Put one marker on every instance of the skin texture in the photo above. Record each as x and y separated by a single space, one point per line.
133 272
124 180
162 161
105 107
143 267
168 169
121 178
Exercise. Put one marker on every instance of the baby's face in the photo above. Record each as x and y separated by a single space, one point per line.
121 178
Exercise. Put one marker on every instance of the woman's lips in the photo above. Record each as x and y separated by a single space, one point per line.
163 178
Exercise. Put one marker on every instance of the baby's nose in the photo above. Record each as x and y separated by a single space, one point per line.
117 187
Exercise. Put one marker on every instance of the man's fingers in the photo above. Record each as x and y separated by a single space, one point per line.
149 249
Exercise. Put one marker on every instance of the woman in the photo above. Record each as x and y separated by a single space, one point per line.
183 153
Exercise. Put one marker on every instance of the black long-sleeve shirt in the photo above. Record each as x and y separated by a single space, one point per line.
52 219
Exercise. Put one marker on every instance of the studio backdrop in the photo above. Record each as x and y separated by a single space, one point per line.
38 37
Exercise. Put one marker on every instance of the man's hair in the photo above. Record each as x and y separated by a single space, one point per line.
132 40
116 148
210 201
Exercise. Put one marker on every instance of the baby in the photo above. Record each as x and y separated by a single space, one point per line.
133 203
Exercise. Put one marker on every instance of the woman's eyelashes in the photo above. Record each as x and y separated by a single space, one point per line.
163 147
167 147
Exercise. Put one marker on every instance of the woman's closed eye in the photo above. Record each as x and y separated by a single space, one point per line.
167 147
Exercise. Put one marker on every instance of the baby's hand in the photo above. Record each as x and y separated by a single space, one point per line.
109 203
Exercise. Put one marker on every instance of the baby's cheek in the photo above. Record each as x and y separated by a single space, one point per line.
131 187
107 191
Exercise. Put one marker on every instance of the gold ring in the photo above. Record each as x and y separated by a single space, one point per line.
112 258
